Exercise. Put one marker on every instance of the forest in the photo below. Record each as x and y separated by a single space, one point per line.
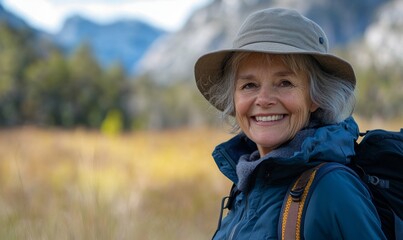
42 86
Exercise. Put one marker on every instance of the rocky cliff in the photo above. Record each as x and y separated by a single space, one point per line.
213 27
123 41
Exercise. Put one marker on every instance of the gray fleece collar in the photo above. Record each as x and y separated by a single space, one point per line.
248 163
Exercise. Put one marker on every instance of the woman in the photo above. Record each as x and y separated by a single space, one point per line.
292 102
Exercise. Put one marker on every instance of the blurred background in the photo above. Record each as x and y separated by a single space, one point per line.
103 134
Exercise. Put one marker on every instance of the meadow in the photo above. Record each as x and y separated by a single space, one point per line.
82 184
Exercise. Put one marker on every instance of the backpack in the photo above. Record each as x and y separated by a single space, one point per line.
378 163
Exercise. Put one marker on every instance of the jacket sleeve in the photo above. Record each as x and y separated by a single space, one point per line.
341 208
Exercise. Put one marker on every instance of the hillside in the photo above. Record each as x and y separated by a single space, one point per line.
381 42
123 41
214 26
12 19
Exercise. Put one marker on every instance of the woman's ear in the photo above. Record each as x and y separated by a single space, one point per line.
313 107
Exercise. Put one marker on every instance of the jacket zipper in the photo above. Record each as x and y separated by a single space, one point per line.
235 228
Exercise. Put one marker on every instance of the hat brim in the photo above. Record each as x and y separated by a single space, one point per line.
208 68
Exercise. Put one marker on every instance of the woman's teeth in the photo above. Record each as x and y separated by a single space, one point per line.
269 118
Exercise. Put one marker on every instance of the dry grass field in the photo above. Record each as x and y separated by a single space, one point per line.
80 184
84 185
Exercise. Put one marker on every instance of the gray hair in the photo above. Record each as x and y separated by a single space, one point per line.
334 95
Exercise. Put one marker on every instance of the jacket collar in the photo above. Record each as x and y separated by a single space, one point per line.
318 148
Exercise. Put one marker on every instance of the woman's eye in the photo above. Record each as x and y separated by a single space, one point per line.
286 83
248 85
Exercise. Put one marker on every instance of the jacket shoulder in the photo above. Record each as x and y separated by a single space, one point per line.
341 207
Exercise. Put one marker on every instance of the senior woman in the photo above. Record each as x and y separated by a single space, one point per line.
291 101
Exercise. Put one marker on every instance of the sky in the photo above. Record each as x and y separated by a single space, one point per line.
49 15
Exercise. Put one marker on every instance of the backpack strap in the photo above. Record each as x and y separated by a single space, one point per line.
297 198
293 205
398 227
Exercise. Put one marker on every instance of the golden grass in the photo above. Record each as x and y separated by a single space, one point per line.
376 123
84 185
80 184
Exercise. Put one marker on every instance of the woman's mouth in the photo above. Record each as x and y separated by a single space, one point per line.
270 118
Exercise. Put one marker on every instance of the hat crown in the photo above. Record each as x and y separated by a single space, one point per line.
283 27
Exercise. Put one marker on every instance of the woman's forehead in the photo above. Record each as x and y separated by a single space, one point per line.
267 61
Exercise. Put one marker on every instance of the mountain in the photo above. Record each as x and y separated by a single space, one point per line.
12 19
363 27
41 41
381 43
125 41
214 26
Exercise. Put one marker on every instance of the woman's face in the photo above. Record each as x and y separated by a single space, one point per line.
272 103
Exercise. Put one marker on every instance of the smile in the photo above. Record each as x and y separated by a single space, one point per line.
269 118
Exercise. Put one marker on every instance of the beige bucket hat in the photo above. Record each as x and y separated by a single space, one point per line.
277 31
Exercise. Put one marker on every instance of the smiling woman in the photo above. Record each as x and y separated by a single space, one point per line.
49 15
272 102
292 101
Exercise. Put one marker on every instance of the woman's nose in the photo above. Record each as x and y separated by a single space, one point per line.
266 97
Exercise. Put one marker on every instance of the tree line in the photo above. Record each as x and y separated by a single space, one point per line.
41 85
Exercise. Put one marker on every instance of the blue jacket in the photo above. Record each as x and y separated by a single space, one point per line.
340 206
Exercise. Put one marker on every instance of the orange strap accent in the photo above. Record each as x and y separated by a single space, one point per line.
292 211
